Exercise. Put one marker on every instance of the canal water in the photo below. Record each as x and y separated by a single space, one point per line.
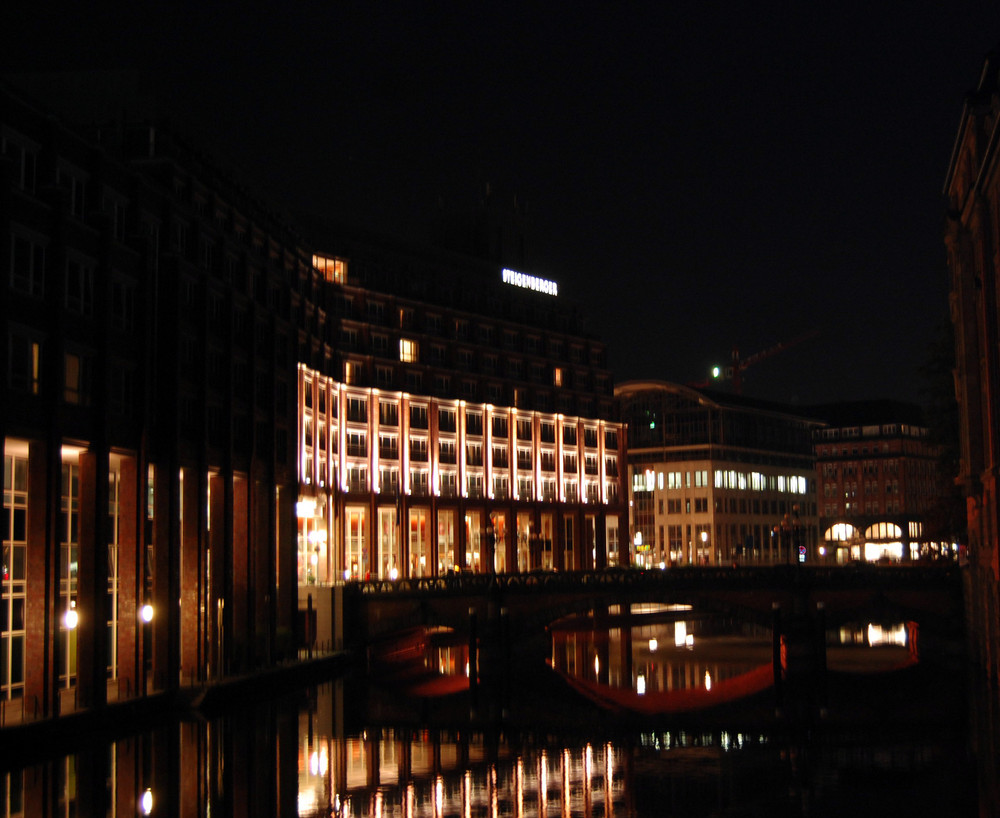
662 712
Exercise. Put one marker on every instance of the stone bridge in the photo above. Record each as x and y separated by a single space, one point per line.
928 593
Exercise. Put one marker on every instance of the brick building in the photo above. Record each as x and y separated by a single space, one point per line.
878 480
972 190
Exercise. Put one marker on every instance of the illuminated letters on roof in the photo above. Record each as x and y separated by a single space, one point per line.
541 285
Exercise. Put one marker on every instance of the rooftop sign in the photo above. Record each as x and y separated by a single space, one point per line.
541 285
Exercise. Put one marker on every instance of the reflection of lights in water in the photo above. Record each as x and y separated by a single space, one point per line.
689 640
566 761
467 794
439 796
653 644
588 765
609 768
519 787
494 792
146 802
875 635
378 804
895 635
680 634
597 665
408 809
640 685
708 680
543 781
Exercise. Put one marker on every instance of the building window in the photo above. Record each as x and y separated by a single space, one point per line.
332 269
23 156
74 182
79 287
418 417
557 376
408 350
23 364
13 600
121 391
27 266
77 379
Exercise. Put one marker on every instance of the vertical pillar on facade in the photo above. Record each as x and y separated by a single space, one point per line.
238 576
558 534
260 539
130 514
601 539
41 623
92 581
432 525
286 575
190 576
218 538
166 577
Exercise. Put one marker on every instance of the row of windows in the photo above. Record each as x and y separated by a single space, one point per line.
466 360
28 276
650 480
870 507
461 329
870 487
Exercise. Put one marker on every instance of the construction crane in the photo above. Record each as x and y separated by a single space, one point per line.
735 372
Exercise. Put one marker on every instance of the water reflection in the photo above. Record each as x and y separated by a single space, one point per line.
419 773
366 746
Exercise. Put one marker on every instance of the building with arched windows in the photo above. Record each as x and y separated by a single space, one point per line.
878 481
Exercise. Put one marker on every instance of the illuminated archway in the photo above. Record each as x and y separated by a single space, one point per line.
840 532
884 531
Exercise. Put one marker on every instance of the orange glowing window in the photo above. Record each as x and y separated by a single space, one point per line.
333 269
407 350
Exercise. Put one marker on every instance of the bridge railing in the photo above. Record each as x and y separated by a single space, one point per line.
748 577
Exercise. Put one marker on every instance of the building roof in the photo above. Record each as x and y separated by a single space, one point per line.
869 412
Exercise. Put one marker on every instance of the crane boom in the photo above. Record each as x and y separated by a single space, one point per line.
735 372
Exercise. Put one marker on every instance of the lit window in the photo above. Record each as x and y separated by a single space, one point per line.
407 350
557 376
333 269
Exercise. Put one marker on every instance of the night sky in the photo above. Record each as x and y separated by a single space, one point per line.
697 176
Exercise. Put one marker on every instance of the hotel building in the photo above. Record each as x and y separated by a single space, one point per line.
202 415
463 424
717 479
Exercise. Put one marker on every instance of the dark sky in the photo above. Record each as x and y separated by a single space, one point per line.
698 176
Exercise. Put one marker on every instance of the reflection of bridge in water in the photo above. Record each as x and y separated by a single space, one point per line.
527 603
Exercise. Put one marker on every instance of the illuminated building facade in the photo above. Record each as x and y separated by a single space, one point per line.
878 480
461 423
193 400
716 479
972 190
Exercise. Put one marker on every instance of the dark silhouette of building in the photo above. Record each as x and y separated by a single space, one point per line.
972 191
